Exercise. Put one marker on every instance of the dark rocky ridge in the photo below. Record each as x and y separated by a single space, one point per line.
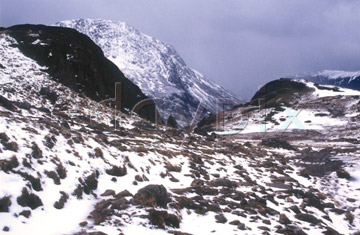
74 60
279 91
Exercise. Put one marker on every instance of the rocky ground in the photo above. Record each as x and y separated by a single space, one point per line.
69 165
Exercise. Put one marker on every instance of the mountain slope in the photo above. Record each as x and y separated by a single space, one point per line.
334 77
72 59
156 68
65 157
65 160
321 123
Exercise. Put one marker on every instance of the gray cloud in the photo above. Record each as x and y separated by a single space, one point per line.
240 44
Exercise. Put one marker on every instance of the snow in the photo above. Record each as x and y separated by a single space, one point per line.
196 224
43 220
349 79
155 67
12 59
305 118
330 74
159 148
39 42
47 222
325 93
334 74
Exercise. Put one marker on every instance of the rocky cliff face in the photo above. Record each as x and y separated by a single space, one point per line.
74 60
156 68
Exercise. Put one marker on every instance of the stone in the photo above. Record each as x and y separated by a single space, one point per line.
241 226
307 218
283 219
343 174
8 165
83 224
119 204
220 219
108 192
235 222
223 182
29 199
124 193
331 231
152 195
295 209
264 228
117 171
5 204
25 213
197 183
162 218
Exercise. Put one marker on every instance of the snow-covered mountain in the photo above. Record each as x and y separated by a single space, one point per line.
340 78
68 167
74 60
156 68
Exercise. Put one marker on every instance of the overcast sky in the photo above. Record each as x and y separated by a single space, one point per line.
240 44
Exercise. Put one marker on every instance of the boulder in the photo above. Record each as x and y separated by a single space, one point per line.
29 200
152 195
307 218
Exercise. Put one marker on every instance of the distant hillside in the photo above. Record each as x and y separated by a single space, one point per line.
334 77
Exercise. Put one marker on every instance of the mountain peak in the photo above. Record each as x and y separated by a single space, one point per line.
156 67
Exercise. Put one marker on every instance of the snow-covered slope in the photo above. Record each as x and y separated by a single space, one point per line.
316 107
155 67
321 121
74 60
340 78
67 167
